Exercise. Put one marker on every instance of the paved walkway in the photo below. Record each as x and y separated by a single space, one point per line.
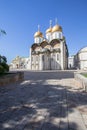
44 101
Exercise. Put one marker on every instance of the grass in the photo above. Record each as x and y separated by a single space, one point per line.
85 75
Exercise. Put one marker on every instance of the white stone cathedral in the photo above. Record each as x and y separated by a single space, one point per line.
50 53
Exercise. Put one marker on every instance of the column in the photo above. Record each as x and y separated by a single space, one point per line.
40 62
30 66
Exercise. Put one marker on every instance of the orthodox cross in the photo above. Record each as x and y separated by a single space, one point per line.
38 27
50 23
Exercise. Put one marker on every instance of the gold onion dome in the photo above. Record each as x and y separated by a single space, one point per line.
57 28
49 30
38 34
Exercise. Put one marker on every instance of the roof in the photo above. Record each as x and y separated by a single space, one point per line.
83 50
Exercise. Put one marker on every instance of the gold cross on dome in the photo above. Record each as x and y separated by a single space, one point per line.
38 27
50 23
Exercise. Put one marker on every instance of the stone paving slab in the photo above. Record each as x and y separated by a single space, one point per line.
43 103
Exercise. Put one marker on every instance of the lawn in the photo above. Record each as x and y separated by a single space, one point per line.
85 75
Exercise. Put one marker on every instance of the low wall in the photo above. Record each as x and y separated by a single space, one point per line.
11 78
82 81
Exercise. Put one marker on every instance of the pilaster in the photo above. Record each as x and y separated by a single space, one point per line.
62 55
40 62
30 59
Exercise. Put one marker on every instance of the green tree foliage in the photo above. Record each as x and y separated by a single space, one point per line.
2 32
3 64
3 60
1 69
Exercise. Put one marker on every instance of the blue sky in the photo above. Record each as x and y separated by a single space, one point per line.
19 18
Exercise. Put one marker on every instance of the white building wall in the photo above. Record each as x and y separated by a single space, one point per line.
57 35
40 62
81 59
38 39
49 37
62 55
71 62
83 56
48 59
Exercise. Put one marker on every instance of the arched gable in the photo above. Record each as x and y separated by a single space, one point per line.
38 48
34 46
48 46
54 42
43 44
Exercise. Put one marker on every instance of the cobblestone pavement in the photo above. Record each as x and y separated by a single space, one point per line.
43 101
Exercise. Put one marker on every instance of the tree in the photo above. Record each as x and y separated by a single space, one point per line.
2 32
3 64
4 59
0 58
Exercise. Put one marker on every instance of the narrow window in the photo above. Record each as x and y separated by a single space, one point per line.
32 58
36 58
57 57
43 57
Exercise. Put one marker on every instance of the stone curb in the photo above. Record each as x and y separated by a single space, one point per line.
81 79
15 77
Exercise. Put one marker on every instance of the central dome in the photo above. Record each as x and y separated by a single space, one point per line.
49 30
57 28
38 34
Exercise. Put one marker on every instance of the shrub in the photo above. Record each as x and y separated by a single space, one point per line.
5 66
1 69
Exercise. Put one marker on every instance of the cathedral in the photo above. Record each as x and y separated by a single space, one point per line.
49 52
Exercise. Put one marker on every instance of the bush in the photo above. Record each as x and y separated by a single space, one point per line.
5 66
1 69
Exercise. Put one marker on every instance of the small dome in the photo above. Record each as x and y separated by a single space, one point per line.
83 49
38 34
57 28
49 30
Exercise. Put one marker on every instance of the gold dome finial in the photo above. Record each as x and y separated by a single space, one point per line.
56 27
49 30
38 33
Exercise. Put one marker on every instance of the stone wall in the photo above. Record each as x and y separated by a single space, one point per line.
11 78
81 80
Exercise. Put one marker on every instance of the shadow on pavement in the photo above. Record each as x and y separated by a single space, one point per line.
39 106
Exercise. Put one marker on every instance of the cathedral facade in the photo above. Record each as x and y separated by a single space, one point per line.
50 52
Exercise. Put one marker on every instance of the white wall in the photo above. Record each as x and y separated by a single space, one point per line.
57 35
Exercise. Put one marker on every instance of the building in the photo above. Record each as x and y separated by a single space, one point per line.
20 63
81 59
50 52
71 62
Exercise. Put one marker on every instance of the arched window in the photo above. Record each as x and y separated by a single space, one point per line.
60 36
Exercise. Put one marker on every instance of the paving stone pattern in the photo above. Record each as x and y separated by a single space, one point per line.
43 101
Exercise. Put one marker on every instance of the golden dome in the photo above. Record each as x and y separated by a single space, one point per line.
49 30
38 34
57 28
